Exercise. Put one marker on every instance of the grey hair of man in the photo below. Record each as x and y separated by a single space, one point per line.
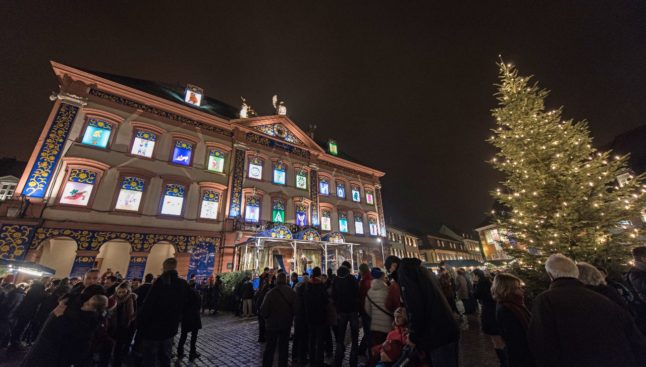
561 266
589 275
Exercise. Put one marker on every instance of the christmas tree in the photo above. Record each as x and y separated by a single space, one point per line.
562 194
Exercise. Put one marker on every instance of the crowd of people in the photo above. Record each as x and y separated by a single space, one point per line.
409 316
104 320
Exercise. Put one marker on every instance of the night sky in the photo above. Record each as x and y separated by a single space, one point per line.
404 86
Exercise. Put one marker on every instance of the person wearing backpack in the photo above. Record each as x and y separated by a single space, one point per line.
636 278
278 311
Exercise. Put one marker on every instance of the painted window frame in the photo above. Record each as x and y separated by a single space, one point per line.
112 119
70 164
187 139
218 188
226 150
131 173
262 167
274 165
259 198
173 181
143 127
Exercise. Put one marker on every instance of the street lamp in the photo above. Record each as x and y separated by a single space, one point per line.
383 257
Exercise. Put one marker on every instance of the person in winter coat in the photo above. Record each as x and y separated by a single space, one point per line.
463 289
593 279
143 289
247 297
300 343
160 315
433 329
364 285
446 283
278 311
66 336
637 279
565 317
191 323
482 293
8 311
316 304
513 319
393 301
345 294
375 307
122 318
25 313
48 304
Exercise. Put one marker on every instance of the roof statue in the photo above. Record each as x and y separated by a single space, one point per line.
279 105
246 110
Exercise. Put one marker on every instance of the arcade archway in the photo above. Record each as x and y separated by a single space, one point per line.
58 254
158 253
114 255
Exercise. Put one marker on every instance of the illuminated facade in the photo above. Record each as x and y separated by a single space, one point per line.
127 172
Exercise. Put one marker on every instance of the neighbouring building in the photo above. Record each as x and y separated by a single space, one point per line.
10 172
469 239
128 172
403 243
438 247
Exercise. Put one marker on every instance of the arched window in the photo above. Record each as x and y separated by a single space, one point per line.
356 193
343 222
173 200
279 173
372 226
130 194
278 211
358 224
182 152
301 215
97 132
216 160
255 168
79 187
326 221
210 204
324 186
301 179
143 144
340 189
252 209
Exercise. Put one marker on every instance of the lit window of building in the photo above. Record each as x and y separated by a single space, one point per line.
216 161
173 200
97 133
252 209
279 173
78 188
372 226
130 193
255 168
324 186
370 198
358 225
301 180
182 152
356 193
343 222
278 211
210 204
326 221
143 144
301 215
340 190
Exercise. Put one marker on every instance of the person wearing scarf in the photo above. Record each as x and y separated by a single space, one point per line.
513 319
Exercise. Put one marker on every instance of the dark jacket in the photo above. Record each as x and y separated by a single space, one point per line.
278 308
192 320
430 318
32 300
247 290
299 306
637 278
515 337
316 301
611 294
574 326
482 292
63 341
142 292
345 292
164 307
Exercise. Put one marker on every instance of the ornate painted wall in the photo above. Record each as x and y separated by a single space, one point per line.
235 206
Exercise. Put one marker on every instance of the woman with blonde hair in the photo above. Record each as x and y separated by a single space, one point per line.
513 318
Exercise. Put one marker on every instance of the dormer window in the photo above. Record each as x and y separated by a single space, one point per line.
193 95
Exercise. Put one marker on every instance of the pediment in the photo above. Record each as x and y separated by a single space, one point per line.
280 128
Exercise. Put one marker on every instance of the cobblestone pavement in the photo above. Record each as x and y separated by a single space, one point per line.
226 340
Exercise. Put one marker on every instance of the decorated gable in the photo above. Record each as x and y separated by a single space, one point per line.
279 131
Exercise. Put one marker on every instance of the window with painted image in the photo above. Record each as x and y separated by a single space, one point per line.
143 144
372 226
97 133
370 197
326 220
340 190
210 204
278 211
78 188
358 225
301 215
356 193
216 161
255 168
173 200
182 152
279 173
301 180
343 222
130 194
324 186
252 209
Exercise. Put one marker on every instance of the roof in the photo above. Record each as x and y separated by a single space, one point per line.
341 154
173 93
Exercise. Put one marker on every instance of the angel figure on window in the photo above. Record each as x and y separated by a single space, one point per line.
279 105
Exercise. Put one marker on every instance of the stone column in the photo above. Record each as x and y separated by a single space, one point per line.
237 178
183 260
380 211
83 262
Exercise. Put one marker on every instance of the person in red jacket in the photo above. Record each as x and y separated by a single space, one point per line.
364 287
393 300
